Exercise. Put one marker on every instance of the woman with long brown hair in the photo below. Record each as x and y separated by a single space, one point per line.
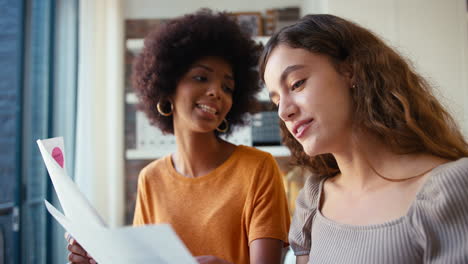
390 181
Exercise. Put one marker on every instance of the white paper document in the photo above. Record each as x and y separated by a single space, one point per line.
151 244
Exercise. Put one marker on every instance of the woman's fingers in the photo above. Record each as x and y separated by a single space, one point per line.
77 259
77 254
76 249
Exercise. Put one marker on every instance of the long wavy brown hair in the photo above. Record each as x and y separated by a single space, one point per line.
390 99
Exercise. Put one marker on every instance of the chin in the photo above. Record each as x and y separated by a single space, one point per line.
313 148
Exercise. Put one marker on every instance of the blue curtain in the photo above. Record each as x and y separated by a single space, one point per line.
37 86
11 42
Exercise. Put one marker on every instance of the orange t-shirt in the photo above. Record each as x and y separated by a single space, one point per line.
219 213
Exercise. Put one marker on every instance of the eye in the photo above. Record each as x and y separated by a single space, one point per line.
297 84
228 89
200 78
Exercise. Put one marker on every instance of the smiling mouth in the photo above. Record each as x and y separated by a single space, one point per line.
299 130
207 109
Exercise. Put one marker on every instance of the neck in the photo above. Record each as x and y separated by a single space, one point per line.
369 163
362 161
199 153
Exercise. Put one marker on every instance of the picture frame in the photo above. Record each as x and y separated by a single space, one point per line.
250 22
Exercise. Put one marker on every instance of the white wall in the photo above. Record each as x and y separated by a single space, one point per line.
134 9
432 33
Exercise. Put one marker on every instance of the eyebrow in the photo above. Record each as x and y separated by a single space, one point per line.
227 76
288 71
285 74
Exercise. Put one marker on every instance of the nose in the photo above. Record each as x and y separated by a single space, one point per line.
287 109
214 90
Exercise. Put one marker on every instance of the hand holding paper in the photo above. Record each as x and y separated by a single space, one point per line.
148 244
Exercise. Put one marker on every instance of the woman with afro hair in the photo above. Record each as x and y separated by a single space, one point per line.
196 78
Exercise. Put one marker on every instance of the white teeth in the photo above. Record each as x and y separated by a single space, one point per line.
207 109
300 129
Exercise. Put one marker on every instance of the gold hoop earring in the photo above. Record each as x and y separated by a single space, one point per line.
161 112
226 124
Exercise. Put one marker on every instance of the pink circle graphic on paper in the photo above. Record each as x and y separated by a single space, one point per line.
57 154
